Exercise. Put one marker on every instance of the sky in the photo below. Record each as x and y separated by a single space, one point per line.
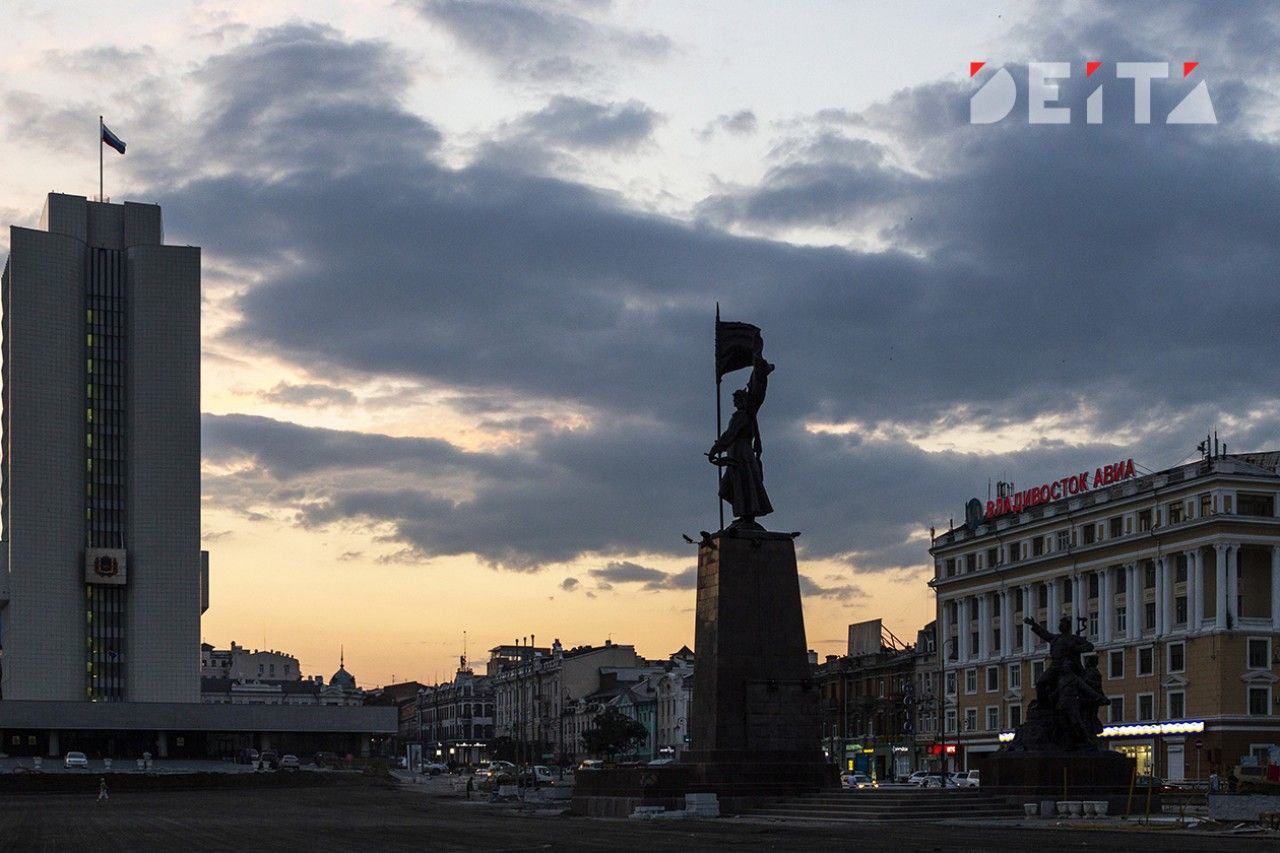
461 260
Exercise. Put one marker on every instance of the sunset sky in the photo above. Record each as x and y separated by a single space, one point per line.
460 264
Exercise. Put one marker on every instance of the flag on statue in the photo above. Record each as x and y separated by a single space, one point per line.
736 346
112 140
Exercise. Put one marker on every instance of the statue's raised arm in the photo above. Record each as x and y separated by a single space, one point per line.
1039 630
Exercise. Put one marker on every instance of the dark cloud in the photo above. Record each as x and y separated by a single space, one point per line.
569 584
308 395
624 572
741 123
839 592
1113 280
544 39
577 123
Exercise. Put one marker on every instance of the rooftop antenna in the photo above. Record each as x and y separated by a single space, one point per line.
1216 450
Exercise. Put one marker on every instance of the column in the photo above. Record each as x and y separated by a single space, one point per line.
1055 607
1220 593
1105 606
1078 608
1132 601
984 626
1275 586
1028 609
1195 591
944 626
962 630
1006 621
1164 589
1233 583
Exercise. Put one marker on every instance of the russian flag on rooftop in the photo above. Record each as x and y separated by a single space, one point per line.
112 140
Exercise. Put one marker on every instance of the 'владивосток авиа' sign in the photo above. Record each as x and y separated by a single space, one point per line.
1058 489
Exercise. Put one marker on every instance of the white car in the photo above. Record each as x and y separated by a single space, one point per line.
918 778
856 780
967 779
76 759
289 762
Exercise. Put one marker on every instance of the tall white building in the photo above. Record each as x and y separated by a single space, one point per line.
102 581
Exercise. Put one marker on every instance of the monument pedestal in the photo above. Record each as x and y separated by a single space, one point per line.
755 725
1032 776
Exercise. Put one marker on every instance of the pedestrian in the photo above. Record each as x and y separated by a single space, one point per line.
1215 784
102 788
471 786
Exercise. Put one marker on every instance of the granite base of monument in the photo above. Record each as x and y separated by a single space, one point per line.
1030 777
754 727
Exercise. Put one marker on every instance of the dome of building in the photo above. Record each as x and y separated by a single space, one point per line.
342 678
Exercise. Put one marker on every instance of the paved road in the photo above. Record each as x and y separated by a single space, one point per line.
357 818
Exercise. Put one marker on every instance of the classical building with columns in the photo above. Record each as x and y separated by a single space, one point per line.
1175 578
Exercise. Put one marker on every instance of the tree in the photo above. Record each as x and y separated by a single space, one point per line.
612 732
504 749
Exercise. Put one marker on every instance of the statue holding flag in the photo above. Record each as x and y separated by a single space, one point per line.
738 449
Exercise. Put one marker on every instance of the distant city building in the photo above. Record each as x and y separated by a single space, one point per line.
1174 576
103 577
867 703
238 662
456 718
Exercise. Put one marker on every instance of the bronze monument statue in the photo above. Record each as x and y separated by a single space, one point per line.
742 483
1064 715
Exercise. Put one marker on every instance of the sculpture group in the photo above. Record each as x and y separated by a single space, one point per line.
1064 715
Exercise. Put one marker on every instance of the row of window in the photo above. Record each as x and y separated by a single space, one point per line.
1176 512
1257 657
1257 702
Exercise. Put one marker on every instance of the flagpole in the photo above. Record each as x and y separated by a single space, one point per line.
719 469
99 158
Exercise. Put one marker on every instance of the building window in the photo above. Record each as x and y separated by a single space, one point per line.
1122 621
1044 596
951 720
1115 664
970 719
1177 703
1015 676
1206 505
1259 701
1115 527
1093 623
973 644
1064 540
1144 520
1259 653
971 562
1145 661
1086 534
1180 610
1177 657
1263 505
1015 716
993 678
1115 713
970 681
1180 569
1146 707
1175 512
1095 584
1149 575
993 557
1037 670
951 567
993 718
951 682
1121 578
1149 616
995 606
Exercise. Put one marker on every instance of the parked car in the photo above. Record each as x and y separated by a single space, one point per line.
434 768
76 759
289 762
537 775
967 779
855 780
490 769
937 780
246 756
270 759
917 778
591 764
